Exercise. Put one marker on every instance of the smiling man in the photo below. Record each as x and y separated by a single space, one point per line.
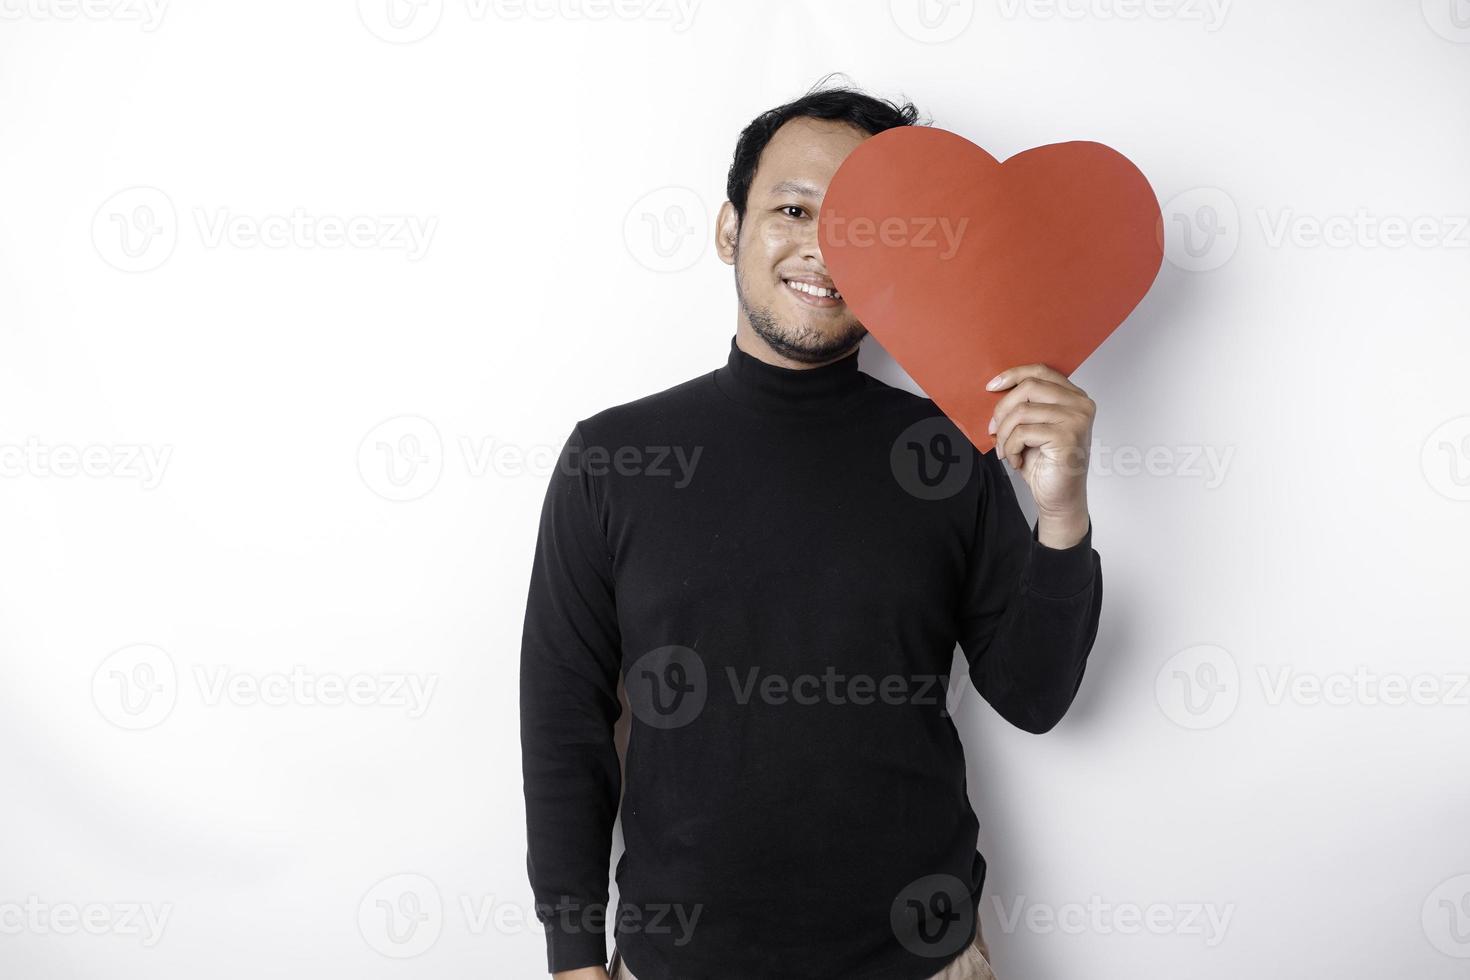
784 620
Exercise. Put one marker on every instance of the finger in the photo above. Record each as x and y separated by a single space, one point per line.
1030 413
1023 436
1038 390
1012 376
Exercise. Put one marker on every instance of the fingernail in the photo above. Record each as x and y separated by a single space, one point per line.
991 430
995 382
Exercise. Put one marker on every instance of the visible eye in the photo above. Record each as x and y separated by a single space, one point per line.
794 207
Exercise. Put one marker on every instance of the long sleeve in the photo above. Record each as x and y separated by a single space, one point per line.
570 655
1030 612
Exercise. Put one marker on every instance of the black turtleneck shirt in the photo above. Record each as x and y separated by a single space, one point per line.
778 564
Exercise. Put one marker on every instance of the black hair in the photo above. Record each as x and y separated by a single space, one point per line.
843 103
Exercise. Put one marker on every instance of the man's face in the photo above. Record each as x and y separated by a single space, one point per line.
776 246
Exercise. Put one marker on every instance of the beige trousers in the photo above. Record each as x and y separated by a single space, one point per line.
972 964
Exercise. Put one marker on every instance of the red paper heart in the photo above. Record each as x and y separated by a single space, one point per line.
962 266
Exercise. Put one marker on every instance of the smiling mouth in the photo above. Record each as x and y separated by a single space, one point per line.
819 295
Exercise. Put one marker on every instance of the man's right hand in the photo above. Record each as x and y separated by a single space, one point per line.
585 973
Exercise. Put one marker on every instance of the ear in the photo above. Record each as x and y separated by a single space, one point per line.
727 233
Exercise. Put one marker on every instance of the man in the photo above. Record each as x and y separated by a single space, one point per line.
778 558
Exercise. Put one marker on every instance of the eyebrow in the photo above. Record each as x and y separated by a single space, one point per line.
796 187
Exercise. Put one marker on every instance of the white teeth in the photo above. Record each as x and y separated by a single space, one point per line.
813 290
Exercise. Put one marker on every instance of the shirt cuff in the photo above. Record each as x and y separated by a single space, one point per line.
1059 573
573 944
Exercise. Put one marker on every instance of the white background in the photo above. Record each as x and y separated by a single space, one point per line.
349 447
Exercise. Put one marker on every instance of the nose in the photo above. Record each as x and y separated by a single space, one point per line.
811 246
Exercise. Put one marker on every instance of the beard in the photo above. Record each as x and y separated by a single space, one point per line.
794 341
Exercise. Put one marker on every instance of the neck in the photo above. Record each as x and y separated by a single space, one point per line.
773 388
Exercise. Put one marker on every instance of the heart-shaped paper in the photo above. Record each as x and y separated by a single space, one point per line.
963 266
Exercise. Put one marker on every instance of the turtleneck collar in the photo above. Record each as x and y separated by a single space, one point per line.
783 390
